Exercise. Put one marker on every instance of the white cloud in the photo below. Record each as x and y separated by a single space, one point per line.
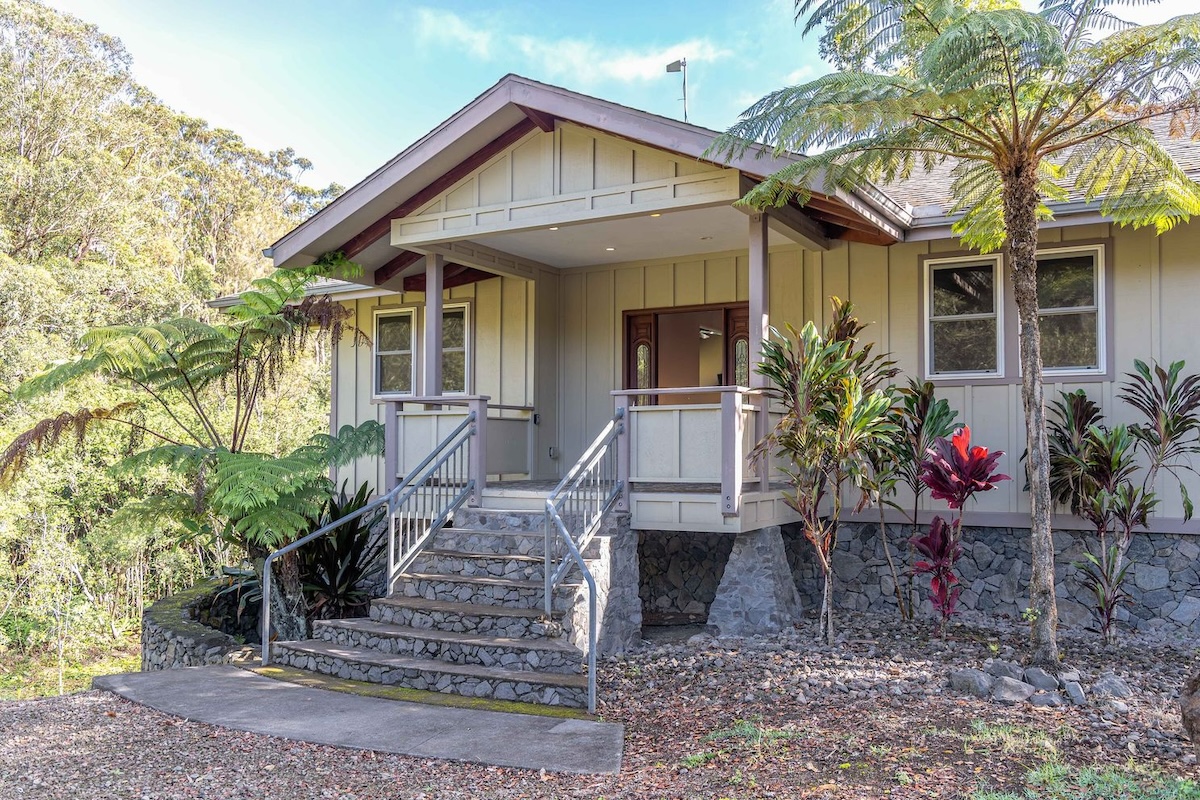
798 75
446 27
588 62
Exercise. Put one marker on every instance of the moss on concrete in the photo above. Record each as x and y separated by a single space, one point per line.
171 614
317 681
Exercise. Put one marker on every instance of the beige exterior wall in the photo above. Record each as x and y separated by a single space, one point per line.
502 311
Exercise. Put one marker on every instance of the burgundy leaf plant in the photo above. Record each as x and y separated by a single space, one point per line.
941 551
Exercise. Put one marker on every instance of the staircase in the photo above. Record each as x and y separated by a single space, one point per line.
467 617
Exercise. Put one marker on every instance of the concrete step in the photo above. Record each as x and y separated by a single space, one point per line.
417 612
465 562
479 589
471 680
532 653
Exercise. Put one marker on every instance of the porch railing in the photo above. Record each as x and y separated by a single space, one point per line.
575 510
417 508
697 442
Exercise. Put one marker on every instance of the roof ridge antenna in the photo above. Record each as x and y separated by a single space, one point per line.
681 66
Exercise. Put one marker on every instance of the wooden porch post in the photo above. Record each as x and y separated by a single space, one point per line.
391 445
434 272
760 328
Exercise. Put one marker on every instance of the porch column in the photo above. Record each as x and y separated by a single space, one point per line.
760 330
434 271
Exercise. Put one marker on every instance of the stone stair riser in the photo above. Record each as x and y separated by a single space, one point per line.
487 594
430 680
482 519
455 622
496 566
514 658
499 543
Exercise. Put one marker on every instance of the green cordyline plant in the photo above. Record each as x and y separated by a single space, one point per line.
1027 108
836 410
1094 469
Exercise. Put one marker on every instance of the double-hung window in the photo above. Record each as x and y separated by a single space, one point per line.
1070 312
455 349
968 335
965 320
395 367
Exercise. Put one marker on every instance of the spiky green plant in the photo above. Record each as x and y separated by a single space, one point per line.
1028 107
835 413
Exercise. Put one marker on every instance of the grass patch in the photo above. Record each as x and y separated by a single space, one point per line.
698 759
1054 781
1008 738
317 681
751 732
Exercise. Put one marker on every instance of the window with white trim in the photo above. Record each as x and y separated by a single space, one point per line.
1070 312
964 309
456 340
395 367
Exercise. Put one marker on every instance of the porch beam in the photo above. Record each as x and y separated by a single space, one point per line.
394 267
543 120
791 222
435 268
487 259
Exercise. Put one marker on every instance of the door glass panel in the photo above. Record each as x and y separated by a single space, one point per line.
741 362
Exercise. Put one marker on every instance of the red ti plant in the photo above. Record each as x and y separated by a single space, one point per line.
954 471
941 551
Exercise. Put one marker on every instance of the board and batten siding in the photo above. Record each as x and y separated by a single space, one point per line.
503 312
1155 295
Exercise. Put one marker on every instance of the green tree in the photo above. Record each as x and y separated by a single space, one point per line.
1029 108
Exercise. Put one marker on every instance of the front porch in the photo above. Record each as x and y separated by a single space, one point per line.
681 467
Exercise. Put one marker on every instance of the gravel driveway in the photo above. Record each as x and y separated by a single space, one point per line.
775 717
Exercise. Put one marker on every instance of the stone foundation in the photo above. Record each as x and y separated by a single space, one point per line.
680 573
1162 582
172 638
612 557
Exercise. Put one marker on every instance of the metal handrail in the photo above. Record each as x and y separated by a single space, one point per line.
585 473
390 500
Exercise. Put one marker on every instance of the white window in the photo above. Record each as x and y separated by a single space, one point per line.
395 367
456 349
964 318
1070 311
965 331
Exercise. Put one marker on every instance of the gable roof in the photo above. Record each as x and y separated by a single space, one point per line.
513 106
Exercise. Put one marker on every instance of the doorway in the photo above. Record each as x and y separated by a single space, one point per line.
691 346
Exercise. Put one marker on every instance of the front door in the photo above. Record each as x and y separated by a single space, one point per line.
693 346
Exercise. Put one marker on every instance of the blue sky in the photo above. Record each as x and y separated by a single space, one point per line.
349 83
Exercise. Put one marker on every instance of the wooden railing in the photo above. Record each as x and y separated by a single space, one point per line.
503 443
689 443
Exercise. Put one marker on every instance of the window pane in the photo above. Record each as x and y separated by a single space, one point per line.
454 327
395 373
643 366
741 362
454 372
394 333
1066 282
964 290
964 346
1070 340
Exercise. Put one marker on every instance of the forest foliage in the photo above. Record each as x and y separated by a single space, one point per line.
114 210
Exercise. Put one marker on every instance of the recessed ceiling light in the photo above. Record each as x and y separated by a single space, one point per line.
610 249
705 238
656 214
554 227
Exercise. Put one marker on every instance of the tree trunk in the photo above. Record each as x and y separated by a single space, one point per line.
887 552
1020 219
288 620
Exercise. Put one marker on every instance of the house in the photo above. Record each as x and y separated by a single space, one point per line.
559 287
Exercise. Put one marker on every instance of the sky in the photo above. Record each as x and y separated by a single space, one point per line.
350 83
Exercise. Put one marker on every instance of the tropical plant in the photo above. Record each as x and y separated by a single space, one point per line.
835 413
953 471
1170 435
191 401
920 420
941 548
336 567
1027 108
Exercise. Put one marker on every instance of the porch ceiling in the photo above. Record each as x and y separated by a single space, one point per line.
641 238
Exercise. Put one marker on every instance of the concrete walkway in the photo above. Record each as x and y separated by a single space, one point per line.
235 698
